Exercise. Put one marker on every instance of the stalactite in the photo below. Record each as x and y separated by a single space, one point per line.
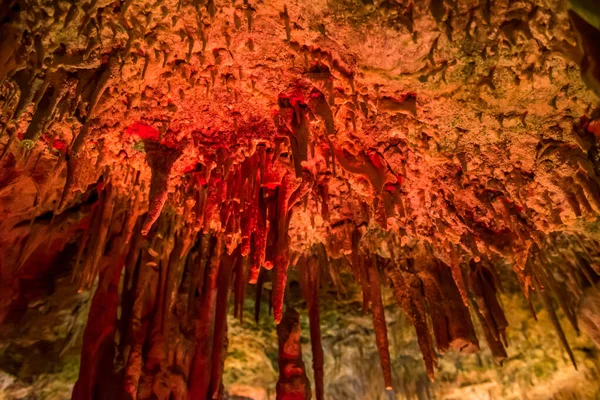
438 316
379 323
286 190
99 237
460 327
241 279
295 103
292 383
408 295
310 280
62 86
220 326
154 369
457 275
28 88
359 269
176 266
213 203
258 296
260 240
201 370
364 281
298 136
272 229
368 165
198 273
491 300
482 307
200 203
559 293
493 340
493 321
249 203
94 214
547 303
99 332
319 106
324 193
585 268
9 45
129 285
584 249
161 160
143 303
77 165
111 72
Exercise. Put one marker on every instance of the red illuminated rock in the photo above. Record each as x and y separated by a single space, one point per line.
192 148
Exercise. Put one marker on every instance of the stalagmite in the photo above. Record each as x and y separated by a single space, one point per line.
292 383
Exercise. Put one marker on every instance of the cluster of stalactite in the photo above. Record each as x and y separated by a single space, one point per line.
169 273
157 326
167 258
168 253
559 269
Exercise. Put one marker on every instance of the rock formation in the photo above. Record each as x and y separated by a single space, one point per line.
177 156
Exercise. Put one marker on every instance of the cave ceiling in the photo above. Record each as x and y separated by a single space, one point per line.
177 157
